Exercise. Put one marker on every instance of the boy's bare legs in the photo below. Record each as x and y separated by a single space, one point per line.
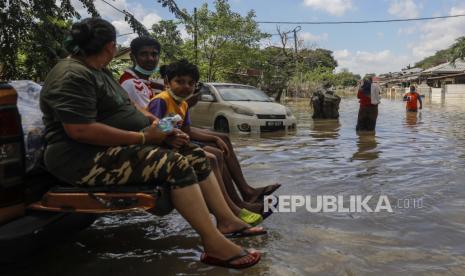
226 220
191 205
227 186
248 193
215 164
254 207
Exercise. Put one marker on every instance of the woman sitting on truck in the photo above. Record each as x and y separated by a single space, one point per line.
95 136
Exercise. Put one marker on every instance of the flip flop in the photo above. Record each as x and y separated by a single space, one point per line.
249 217
246 232
228 263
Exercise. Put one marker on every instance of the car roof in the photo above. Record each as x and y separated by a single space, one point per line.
228 83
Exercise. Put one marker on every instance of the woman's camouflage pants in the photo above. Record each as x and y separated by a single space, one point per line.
147 165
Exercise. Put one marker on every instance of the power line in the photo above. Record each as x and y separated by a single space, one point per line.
125 34
111 5
357 22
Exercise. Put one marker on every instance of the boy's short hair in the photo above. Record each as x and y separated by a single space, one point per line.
142 41
412 88
182 68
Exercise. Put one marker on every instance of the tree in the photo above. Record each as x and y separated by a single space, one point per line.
167 33
457 50
439 57
226 39
346 78
318 58
31 33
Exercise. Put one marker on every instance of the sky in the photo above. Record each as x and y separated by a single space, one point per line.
360 48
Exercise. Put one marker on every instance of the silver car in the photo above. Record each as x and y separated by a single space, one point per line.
229 107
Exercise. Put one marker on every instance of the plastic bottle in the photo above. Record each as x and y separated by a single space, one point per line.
167 124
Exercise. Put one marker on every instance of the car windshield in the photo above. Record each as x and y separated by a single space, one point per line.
241 93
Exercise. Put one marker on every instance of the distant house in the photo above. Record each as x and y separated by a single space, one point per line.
437 76
446 73
123 54
403 78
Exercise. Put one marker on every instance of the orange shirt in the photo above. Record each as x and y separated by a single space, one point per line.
412 99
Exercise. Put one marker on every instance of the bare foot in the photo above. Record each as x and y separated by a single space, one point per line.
261 192
224 249
236 225
254 207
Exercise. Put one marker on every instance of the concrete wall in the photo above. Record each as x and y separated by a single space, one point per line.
455 91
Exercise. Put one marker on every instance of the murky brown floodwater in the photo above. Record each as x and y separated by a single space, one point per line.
421 156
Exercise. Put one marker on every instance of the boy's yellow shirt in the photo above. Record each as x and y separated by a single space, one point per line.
172 107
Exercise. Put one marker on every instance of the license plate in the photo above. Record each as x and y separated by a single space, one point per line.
274 123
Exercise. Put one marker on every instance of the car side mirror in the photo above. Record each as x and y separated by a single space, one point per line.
207 98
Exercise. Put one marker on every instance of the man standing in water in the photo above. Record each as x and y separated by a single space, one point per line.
411 98
368 112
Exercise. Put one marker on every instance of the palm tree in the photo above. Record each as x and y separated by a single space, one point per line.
457 50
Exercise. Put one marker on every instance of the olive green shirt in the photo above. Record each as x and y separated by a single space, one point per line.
76 94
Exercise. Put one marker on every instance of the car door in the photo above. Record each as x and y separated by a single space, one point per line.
202 113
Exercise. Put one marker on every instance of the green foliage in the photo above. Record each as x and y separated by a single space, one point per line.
225 38
32 33
318 58
346 79
167 33
117 67
454 52
457 50
439 57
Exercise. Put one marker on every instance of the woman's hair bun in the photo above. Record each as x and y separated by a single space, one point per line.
81 33
89 36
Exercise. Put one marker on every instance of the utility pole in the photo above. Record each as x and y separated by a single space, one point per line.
296 29
196 57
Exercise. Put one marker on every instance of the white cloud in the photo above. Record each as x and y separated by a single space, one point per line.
363 62
122 27
407 30
150 19
438 34
309 37
183 32
380 35
341 54
146 16
334 7
404 8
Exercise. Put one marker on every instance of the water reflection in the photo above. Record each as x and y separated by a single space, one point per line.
325 129
412 118
366 147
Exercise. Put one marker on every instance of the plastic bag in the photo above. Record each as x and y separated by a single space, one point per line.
31 119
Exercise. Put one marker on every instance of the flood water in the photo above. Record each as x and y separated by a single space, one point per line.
411 156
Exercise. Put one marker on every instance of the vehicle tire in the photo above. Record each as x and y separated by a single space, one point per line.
221 125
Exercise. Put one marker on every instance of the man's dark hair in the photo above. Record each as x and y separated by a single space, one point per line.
142 41
366 86
182 68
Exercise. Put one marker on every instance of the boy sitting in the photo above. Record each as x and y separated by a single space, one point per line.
181 78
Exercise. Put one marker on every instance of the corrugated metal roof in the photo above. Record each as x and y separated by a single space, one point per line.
447 67
411 71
